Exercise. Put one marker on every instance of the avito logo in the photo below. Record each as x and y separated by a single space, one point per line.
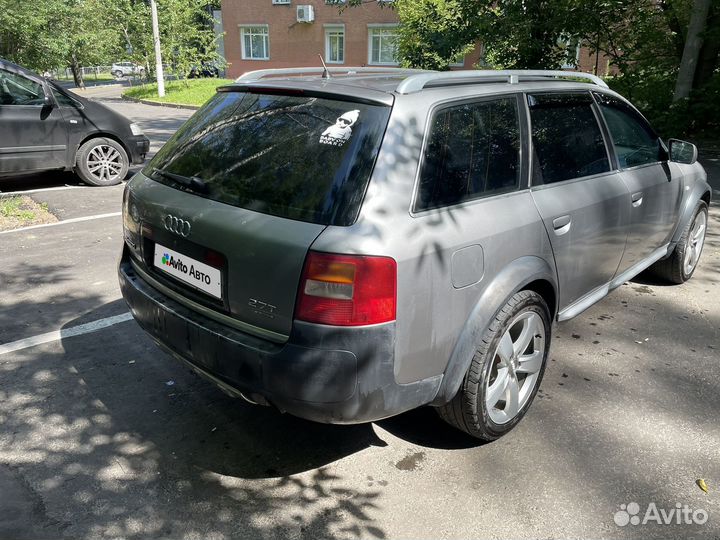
177 264
682 514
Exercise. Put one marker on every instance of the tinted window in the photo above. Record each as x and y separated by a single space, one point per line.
634 140
473 150
567 140
299 157
62 99
18 90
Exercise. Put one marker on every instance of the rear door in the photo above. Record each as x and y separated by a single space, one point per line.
655 192
583 203
33 135
244 188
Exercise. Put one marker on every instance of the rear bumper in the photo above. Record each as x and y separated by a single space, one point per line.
139 146
348 379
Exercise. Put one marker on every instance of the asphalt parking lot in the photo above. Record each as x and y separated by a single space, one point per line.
104 436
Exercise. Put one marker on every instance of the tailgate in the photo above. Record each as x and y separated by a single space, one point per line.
237 262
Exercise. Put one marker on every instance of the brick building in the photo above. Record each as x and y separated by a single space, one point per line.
262 34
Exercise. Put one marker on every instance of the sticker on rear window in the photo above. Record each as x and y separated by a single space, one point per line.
337 134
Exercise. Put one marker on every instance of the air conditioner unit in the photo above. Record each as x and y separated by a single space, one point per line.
281 1
305 14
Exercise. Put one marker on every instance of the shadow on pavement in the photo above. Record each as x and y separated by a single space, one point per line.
127 442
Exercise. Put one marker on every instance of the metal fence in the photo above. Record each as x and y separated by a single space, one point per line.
88 72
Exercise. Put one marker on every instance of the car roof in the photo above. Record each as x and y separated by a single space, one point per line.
384 85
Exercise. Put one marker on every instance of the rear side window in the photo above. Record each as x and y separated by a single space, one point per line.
294 156
567 141
635 141
473 150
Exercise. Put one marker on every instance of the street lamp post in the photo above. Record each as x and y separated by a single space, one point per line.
158 54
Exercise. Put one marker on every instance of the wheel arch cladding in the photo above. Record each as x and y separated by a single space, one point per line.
525 273
700 192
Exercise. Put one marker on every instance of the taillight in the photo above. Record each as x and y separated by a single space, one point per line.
347 290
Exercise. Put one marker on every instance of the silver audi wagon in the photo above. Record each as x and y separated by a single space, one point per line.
348 246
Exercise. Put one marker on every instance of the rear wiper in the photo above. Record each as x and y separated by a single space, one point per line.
192 182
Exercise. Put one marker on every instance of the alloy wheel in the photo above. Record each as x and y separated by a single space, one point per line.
695 241
104 163
516 367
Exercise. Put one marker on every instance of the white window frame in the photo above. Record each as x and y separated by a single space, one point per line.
568 44
460 63
372 28
331 29
248 29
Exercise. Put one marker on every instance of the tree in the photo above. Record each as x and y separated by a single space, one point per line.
434 32
691 52
187 35
78 33
57 33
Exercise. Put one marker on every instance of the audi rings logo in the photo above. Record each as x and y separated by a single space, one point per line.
177 225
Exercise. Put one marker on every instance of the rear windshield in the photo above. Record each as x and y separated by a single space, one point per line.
293 156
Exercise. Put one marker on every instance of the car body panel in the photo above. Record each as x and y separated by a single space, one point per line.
694 188
587 222
33 138
655 192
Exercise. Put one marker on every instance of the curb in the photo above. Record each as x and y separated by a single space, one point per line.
91 86
158 104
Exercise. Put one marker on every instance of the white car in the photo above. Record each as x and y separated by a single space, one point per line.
120 69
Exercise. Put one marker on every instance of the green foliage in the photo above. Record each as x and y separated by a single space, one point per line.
192 92
434 32
75 33
533 34
53 33
187 34
652 92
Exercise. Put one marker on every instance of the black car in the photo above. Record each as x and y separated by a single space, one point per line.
44 127
206 69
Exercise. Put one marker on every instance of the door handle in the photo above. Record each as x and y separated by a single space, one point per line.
562 225
637 199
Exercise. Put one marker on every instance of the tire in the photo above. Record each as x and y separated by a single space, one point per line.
118 74
474 409
101 162
681 264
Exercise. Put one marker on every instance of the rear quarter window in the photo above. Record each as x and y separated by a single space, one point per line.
472 151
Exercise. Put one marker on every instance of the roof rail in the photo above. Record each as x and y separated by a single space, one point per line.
252 76
415 83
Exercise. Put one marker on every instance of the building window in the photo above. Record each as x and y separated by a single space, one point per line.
383 45
458 61
255 42
571 47
335 45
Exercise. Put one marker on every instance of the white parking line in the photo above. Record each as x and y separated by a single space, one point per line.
40 190
63 222
64 333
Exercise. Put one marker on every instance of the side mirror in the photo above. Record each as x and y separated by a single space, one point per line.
682 151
